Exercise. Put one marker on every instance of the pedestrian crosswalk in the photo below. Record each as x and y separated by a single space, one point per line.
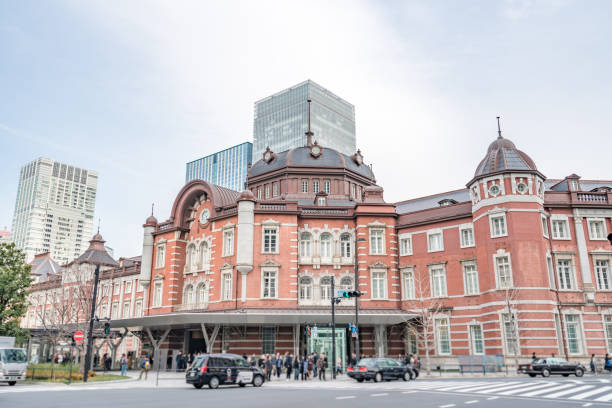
567 390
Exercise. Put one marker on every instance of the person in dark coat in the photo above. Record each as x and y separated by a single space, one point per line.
268 367
107 362
288 365
296 367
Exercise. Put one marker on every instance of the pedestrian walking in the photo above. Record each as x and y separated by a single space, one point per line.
353 361
321 363
592 363
279 365
315 358
124 364
268 367
145 366
296 367
288 365
338 365
607 363
309 366
107 362
533 356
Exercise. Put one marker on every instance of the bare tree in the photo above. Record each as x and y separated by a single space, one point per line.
510 323
426 309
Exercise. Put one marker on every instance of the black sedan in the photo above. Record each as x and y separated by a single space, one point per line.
381 369
551 365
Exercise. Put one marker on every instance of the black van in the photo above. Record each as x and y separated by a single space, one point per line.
220 369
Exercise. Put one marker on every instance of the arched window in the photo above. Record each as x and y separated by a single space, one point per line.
325 285
305 242
305 288
188 295
204 255
190 261
345 246
346 283
202 294
326 240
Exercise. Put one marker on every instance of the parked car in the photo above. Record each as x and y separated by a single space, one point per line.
551 365
380 369
223 369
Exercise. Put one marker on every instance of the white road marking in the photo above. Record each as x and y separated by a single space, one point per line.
471 402
379 395
502 388
408 392
589 393
588 404
566 392
447 406
471 388
605 398
346 397
492 398
545 390
527 388
604 381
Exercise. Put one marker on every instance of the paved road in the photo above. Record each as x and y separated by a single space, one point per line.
440 393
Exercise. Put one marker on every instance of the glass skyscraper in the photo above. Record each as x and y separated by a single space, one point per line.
281 120
227 168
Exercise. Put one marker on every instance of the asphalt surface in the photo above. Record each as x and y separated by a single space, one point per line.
476 392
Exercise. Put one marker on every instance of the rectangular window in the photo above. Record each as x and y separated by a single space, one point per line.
269 284
128 287
315 187
435 242
608 329
226 286
326 187
270 240
406 245
353 190
602 272
438 281
565 274
467 237
597 230
551 272
228 242
160 260
408 284
544 226
274 189
268 336
138 309
470 277
115 310
476 339
377 241
304 186
126 310
560 229
443 336
116 288
510 338
157 294
259 193
267 190
498 225
574 334
379 285
503 272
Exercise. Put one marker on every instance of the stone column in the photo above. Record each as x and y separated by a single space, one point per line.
244 248
583 257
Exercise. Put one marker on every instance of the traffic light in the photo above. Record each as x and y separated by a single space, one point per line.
106 328
307 331
351 293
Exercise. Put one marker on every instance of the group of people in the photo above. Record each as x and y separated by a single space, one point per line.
305 367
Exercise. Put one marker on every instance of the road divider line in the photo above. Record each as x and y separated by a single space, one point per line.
382 394
588 404
346 397
447 406
492 398
471 402
409 392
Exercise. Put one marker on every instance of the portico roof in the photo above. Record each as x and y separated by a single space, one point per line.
265 316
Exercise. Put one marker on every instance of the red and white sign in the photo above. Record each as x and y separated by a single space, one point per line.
78 336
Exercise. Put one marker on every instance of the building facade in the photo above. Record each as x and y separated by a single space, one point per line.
281 120
512 264
227 168
5 235
54 209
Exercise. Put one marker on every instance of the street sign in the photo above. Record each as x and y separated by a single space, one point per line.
314 332
354 331
78 336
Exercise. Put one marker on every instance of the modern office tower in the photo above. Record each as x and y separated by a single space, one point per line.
227 168
54 209
281 120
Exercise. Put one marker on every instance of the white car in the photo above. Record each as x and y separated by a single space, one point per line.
13 365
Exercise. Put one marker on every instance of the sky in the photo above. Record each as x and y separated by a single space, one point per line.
135 89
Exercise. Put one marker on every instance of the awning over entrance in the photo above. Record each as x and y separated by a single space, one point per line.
266 317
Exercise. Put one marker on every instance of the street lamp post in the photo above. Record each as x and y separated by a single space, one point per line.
95 255
357 240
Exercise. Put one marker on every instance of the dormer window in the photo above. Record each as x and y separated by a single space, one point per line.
321 201
494 190
521 188
447 201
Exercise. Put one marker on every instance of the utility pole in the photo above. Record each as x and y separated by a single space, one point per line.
92 317
357 241
333 305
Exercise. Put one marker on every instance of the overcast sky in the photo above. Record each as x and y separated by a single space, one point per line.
135 89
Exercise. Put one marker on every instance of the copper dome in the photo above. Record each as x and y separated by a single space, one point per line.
502 155
151 221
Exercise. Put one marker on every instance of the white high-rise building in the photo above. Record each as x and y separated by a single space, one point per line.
54 209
